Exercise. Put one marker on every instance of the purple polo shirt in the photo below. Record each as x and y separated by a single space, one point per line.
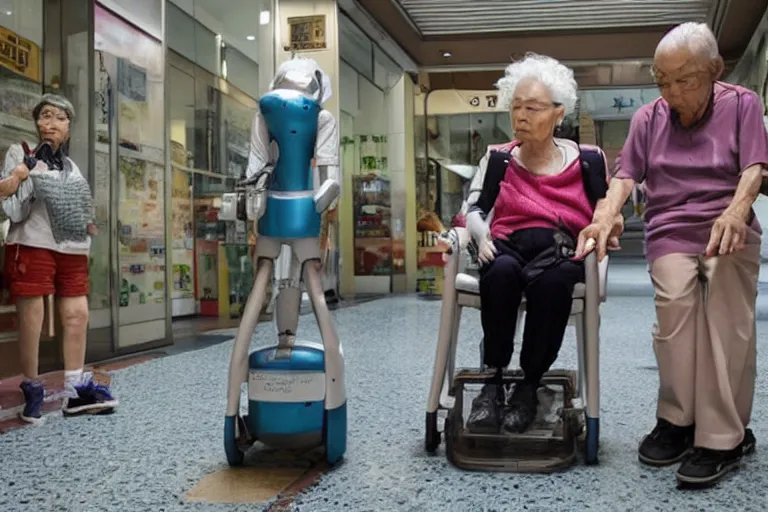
690 175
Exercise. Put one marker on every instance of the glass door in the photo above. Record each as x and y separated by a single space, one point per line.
130 142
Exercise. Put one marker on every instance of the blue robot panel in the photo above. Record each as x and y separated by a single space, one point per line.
287 417
292 122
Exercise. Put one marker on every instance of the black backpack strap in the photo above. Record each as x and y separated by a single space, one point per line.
498 161
593 172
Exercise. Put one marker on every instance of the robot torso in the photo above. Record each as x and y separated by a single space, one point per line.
292 120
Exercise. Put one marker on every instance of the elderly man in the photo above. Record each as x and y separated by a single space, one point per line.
700 150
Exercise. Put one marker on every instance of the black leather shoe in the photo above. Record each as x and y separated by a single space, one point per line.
520 412
666 444
706 467
484 416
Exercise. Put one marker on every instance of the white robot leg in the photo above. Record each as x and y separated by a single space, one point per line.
308 253
288 303
238 366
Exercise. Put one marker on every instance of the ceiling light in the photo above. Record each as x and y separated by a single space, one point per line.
250 38
447 54
8 13
264 18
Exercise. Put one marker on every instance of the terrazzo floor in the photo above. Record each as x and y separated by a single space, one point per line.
167 434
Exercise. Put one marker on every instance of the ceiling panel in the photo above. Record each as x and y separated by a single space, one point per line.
451 17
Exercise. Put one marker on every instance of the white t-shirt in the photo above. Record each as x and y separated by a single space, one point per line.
35 230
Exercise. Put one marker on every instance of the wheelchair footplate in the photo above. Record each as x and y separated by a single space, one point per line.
550 444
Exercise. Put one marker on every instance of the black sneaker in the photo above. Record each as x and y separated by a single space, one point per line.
706 467
92 398
520 412
484 417
666 444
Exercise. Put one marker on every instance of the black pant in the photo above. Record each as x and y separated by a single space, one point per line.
548 296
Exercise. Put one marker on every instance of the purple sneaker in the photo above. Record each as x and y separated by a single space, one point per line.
34 393
92 398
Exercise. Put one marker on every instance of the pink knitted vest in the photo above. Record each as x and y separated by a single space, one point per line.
529 201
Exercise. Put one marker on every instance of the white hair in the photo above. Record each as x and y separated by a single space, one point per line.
557 78
694 37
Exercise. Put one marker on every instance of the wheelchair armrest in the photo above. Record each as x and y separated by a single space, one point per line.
459 239
593 276
596 274
602 268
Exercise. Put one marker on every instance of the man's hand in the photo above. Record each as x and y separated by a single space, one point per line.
602 235
92 229
486 251
728 235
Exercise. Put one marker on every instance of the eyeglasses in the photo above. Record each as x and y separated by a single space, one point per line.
534 107
49 116
687 82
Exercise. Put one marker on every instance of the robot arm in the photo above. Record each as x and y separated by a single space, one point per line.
260 162
327 161
475 186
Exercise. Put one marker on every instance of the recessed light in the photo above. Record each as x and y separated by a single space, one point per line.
250 38
447 54
264 18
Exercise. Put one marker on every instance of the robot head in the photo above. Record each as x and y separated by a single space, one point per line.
304 75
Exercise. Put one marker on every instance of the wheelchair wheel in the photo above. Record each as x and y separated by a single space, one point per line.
592 441
432 436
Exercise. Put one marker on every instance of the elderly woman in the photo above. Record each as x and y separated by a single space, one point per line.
539 204
700 150
47 253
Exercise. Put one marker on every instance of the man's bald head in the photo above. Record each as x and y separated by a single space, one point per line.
692 43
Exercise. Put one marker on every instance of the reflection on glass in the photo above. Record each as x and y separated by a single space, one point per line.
182 244
131 81
210 141
372 208
458 139
20 90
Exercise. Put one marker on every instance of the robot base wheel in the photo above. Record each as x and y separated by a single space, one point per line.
235 455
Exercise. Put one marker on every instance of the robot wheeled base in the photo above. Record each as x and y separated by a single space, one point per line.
551 444
286 406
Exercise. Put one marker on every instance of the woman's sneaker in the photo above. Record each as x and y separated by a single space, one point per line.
92 398
34 395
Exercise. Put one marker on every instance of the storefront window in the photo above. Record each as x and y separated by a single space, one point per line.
21 37
215 51
210 139
130 132
367 75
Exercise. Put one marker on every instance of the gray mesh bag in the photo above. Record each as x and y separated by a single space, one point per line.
68 201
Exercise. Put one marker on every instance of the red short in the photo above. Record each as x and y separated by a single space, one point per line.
33 272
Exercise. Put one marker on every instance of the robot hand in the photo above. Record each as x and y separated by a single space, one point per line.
256 179
326 195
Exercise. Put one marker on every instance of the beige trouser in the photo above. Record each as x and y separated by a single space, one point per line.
704 341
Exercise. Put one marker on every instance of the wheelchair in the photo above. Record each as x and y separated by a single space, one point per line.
573 421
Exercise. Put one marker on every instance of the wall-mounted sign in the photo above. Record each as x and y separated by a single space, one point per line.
307 33
484 101
19 55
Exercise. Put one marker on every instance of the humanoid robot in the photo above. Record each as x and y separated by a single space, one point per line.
296 391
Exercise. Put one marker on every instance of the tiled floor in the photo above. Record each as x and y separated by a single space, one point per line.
163 449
